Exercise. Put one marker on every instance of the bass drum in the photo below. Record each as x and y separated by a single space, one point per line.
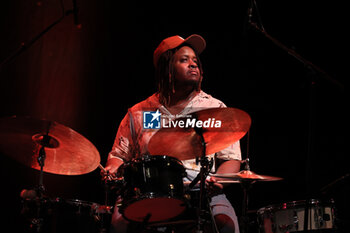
153 189
290 217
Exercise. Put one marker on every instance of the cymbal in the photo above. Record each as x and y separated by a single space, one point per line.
218 181
186 143
246 175
67 152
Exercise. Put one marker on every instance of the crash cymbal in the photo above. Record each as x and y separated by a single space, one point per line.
220 128
179 143
67 152
246 175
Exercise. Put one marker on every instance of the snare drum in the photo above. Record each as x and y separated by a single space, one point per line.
64 216
290 217
153 189
74 216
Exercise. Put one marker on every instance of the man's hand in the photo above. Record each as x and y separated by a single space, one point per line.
111 168
213 187
230 166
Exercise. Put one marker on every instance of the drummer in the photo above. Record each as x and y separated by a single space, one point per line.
179 76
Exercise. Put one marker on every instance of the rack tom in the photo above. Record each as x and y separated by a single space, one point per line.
153 189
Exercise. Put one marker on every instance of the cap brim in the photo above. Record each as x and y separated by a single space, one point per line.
197 42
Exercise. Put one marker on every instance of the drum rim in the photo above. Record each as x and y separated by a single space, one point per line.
294 204
150 157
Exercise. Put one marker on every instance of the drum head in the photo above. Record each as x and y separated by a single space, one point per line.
154 209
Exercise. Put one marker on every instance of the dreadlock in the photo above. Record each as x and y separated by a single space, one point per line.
165 74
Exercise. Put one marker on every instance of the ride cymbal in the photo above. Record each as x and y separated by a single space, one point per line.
67 152
246 175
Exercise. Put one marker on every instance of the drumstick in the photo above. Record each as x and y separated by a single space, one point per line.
102 168
109 176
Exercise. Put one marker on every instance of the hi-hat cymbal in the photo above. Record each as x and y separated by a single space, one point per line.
67 152
186 143
246 175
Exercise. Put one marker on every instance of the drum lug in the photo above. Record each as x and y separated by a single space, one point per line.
285 227
137 192
296 220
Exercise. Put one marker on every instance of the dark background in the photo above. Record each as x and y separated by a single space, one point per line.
86 79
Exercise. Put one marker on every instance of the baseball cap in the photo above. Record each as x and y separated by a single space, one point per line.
196 41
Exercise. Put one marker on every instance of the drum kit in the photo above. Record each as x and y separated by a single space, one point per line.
151 188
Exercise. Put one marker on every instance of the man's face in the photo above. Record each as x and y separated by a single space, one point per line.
186 67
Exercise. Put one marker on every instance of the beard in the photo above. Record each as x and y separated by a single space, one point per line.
194 83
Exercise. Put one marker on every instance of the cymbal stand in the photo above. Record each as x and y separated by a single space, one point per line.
37 222
246 185
206 166
41 161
